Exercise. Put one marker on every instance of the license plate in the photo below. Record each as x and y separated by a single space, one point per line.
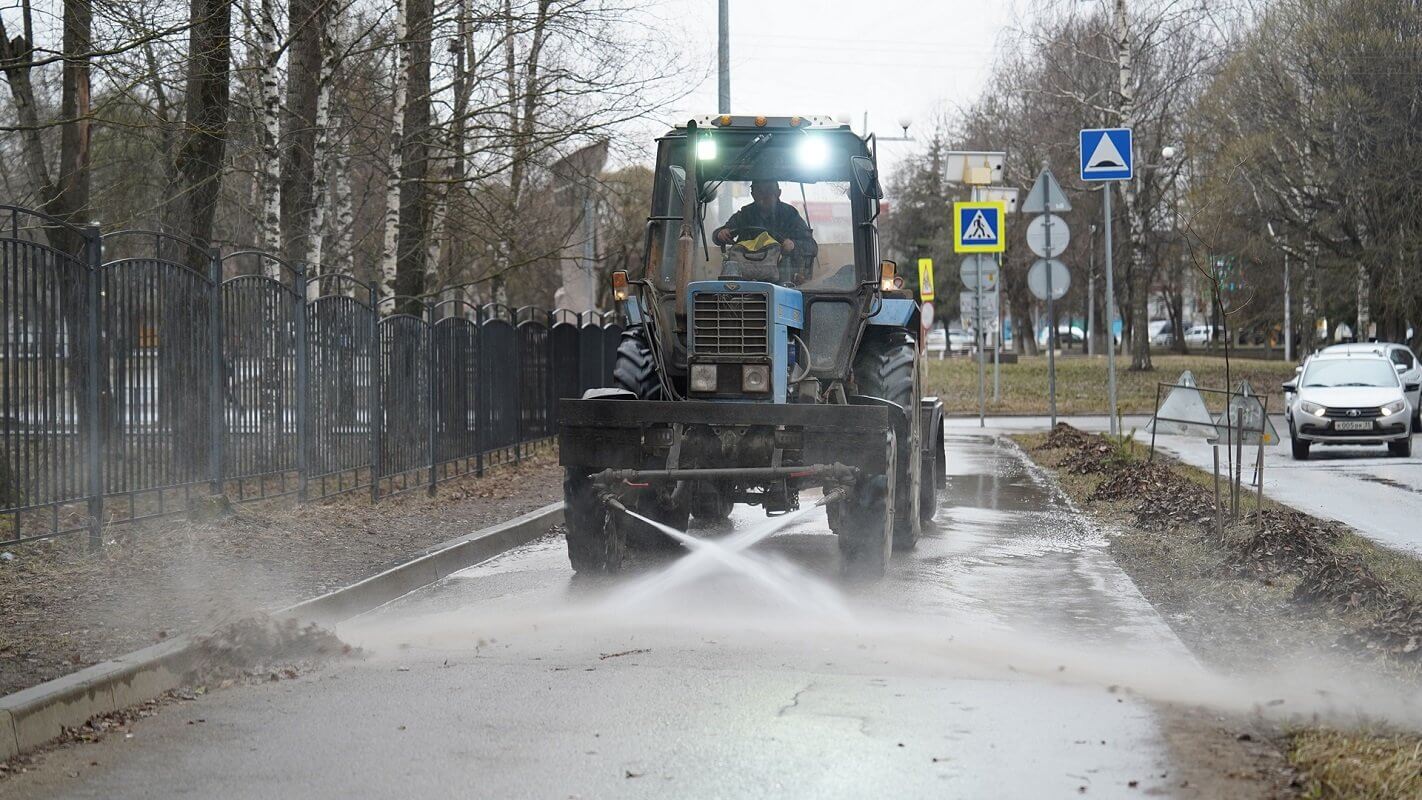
1353 425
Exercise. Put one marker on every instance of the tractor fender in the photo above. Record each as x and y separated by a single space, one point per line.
931 409
897 416
896 312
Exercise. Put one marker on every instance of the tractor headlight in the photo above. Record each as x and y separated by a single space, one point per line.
1312 408
706 149
1395 407
703 377
755 378
813 151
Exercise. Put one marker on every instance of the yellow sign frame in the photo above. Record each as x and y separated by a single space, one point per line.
925 280
993 205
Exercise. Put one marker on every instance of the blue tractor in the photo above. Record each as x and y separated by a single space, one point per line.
758 362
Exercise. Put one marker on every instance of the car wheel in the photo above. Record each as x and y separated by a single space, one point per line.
1300 446
1401 448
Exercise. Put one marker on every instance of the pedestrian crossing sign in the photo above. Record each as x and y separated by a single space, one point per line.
977 227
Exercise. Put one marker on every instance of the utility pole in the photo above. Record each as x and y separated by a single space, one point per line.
1288 314
723 59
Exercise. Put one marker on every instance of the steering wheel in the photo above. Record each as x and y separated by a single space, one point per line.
746 233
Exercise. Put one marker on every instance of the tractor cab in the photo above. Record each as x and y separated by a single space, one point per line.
790 281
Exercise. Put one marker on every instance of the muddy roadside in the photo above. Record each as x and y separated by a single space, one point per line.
1274 590
63 608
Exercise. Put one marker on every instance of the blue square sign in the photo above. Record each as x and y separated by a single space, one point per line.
1107 155
977 227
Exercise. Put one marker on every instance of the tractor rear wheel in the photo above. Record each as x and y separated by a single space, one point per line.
597 540
884 368
635 369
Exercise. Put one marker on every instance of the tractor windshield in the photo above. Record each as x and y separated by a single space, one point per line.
792 185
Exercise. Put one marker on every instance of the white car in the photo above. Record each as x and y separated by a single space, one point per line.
937 342
1409 369
1201 334
1349 398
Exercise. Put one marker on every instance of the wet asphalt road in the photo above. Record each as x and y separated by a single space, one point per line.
973 670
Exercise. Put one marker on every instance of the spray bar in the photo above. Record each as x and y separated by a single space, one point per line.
833 472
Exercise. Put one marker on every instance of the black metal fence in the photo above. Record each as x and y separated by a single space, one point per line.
135 378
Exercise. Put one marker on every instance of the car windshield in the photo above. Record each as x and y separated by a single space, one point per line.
1349 372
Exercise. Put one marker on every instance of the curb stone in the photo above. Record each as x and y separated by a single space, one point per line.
31 717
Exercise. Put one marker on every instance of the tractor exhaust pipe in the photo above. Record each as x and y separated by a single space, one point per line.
690 208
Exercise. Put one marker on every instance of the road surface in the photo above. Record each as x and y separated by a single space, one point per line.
984 666
1376 494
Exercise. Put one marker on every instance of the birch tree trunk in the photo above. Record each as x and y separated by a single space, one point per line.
1135 215
270 234
401 81
322 166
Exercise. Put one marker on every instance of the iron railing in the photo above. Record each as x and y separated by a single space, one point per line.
135 378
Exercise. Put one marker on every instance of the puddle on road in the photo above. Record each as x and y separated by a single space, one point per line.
1008 584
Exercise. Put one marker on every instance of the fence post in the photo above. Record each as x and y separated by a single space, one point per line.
550 395
217 399
518 388
431 388
376 423
480 373
302 423
94 430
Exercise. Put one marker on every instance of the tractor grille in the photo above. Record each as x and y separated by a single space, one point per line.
733 324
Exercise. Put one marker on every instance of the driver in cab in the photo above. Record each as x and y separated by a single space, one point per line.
781 220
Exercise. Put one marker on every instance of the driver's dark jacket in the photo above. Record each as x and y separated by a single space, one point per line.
783 223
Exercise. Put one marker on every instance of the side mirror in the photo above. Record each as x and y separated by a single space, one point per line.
866 177
1400 367
1290 386
1298 369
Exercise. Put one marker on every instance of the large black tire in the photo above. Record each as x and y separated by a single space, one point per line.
883 368
596 539
864 523
635 369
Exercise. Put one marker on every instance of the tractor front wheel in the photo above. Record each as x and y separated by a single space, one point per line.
597 540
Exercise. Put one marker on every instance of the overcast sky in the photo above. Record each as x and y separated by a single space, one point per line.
890 58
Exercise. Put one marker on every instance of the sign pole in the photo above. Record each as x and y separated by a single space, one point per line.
978 329
1111 313
997 335
1051 323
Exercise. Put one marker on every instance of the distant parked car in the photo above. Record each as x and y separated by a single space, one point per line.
937 341
1067 336
1201 334
961 341
1349 398
1409 369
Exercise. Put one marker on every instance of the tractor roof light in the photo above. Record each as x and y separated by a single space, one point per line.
813 151
619 285
705 149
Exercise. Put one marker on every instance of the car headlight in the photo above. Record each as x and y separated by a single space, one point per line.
1395 407
1312 408
703 377
755 378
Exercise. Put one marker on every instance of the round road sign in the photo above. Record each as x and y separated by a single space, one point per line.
1037 235
1037 278
979 271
